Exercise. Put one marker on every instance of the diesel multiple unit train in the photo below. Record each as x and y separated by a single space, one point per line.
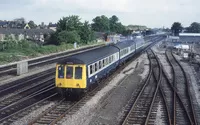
78 72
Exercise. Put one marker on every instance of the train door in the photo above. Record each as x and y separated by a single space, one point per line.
80 76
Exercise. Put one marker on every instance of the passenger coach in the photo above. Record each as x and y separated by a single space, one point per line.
77 73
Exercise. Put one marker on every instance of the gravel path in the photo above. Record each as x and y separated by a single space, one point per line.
107 109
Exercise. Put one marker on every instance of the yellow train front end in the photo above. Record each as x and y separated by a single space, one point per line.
71 77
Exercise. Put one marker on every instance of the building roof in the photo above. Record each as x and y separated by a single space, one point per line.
52 25
2 23
189 34
25 31
182 46
189 39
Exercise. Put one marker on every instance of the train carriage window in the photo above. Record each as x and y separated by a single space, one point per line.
69 74
96 67
117 55
99 64
103 62
78 72
107 61
61 71
90 69
110 59
93 68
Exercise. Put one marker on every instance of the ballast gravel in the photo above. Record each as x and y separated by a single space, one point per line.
33 114
106 109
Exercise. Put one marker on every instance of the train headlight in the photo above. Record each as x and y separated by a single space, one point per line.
77 85
60 84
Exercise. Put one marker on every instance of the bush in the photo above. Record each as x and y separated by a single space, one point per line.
19 50
68 37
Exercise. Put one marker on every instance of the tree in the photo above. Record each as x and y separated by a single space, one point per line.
100 24
176 28
114 19
86 32
20 20
127 32
68 37
114 25
70 23
120 28
32 24
194 28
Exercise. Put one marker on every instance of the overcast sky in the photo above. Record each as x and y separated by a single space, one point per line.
152 13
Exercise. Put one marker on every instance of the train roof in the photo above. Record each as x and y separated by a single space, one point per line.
91 56
124 44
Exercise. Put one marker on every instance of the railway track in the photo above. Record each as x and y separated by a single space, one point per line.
63 108
183 111
159 91
52 115
28 95
15 110
41 61
12 68
143 109
23 83
26 92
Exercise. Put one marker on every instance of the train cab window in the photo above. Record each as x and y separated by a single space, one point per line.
69 74
99 64
90 69
78 72
61 71
103 62
96 67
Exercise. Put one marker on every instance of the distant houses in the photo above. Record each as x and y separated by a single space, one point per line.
19 30
37 35
3 24
52 26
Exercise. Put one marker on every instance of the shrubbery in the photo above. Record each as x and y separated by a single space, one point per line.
19 50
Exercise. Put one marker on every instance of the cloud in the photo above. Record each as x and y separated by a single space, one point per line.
154 13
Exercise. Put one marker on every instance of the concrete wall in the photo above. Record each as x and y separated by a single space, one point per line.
22 67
